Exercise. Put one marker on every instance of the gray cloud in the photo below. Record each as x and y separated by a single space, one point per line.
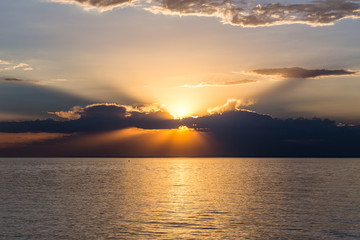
247 13
296 72
97 117
78 112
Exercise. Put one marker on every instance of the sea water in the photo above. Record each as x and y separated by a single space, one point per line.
179 198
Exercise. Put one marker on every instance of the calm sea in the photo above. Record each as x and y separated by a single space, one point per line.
180 198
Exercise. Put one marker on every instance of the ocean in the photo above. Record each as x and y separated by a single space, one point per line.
179 198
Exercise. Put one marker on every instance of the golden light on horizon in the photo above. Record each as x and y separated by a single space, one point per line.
182 141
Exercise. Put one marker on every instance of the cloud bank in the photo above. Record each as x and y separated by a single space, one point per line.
296 72
236 132
246 13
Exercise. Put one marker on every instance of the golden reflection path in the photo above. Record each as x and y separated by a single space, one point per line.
188 198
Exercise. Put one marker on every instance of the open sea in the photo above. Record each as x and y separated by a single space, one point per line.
179 198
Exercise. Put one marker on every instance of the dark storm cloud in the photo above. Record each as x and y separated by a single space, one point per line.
244 12
237 133
296 72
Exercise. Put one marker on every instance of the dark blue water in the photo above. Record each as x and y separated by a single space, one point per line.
180 198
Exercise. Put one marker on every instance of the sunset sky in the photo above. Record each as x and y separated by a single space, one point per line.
76 70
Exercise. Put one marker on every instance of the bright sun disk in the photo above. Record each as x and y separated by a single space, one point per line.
180 112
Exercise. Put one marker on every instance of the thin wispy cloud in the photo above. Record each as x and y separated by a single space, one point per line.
247 13
12 66
24 81
31 81
297 72
2 62
24 66
220 84
12 79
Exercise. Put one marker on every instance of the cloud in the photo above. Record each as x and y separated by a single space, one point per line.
220 84
112 130
230 105
244 133
10 66
103 5
247 13
296 72
12 79
73 114
24 66
98 109
2 62
20 80
96 118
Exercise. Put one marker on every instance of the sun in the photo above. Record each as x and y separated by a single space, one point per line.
180 112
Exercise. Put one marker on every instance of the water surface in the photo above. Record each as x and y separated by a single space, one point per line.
180 198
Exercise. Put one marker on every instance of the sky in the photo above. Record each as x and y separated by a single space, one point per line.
170 77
